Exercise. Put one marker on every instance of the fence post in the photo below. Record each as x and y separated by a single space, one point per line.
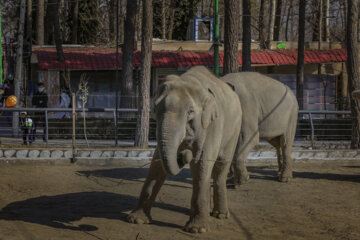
73 116
46 127
312 130
115 125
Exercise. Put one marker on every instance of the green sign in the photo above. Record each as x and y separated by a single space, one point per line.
281 45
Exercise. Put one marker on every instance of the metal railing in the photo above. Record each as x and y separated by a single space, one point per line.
101 123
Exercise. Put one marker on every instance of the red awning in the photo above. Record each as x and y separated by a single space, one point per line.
104 59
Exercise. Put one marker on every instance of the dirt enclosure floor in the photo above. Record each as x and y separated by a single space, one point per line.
77 202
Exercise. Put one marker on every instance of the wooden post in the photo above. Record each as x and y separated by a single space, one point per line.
73 116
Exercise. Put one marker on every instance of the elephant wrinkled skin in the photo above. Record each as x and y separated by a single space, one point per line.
270 112
198 122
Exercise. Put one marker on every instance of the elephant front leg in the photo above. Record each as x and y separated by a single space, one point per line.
150 189
201 174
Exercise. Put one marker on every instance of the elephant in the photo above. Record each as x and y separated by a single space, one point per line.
270 112
198 122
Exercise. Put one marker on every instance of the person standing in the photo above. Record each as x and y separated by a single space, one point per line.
27 127
40 100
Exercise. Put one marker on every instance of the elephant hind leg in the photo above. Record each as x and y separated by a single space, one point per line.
277 143
245 144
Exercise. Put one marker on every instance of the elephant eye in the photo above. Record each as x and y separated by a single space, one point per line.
191 113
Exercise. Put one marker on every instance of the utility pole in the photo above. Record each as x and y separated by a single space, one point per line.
216 38
18 73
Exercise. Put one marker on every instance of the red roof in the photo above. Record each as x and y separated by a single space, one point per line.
104 59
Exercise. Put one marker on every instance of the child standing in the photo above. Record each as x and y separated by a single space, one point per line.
27 127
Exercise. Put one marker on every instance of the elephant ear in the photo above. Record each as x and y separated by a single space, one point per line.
209 110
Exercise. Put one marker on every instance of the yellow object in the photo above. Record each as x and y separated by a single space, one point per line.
11 101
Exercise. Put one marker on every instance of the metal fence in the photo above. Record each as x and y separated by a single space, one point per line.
103 127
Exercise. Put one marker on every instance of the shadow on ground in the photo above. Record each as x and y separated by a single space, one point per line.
135 174
61 210
268 174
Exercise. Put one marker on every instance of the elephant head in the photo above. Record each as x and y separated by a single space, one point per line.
183 111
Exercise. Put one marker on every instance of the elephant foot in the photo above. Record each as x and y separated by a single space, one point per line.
285 178
220 215
235 182
197 225
139 217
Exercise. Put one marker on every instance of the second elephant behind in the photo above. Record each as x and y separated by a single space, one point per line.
270 112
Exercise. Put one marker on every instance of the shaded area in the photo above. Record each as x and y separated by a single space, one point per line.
61 210
272 175
135 174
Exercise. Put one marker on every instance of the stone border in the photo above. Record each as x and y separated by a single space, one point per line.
140 157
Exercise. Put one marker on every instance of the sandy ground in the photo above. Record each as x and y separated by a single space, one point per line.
76 202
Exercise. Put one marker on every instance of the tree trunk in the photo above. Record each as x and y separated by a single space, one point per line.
172 19
163 19
128 91
352 65
271 24
18 73
75 22
327 21
231 38
142 125
246 47
49 23
300 61
288 19
320 21
29 22
277 25
40 22
262 25
54 9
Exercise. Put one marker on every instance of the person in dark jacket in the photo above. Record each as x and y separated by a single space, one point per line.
40 100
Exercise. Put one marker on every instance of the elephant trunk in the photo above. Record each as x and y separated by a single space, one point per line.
169 140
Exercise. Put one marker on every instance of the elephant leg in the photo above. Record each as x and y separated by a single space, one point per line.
286 174
150 189
286 144
245 144
220 171
278 142
201 174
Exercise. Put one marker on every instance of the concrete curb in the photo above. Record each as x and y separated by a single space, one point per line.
141 157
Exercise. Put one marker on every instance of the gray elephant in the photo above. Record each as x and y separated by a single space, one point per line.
198 122
270 112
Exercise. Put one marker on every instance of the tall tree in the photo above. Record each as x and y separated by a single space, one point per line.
262 25
29 22
172 19
112 20
142 125
300 60
75 22
127 88
163 19
288 16
246 47
277 25
352 65
231 37
327 20
40 22
270 36
19 59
